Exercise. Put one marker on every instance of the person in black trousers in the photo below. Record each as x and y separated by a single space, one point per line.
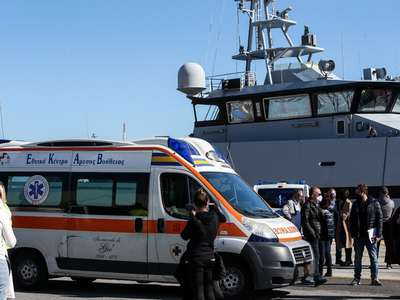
314 227
200 254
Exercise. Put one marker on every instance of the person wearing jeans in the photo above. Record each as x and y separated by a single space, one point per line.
365 216
373 257
314 227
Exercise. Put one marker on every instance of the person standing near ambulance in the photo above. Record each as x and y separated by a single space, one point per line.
314 227
7 239
291 210
200 256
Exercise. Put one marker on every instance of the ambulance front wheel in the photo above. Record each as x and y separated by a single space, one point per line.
237 282
29 271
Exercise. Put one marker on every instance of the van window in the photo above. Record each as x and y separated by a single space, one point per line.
110 194
239 194
94 192
126 193
21 187
177 190
276 198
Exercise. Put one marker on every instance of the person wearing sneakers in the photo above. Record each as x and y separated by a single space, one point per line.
313 224
366 223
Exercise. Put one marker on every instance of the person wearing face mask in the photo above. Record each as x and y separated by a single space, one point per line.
366 222
314 226
291 210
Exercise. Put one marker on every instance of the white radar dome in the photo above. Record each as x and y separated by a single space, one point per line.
191 79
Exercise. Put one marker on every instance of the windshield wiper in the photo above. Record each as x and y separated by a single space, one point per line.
246 211
266 211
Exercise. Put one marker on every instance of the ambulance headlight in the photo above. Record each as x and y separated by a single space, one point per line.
260 232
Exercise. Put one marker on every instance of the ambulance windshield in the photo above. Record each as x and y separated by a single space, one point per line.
239 194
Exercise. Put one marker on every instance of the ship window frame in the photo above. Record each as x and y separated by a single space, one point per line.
206 112
266 107
388 104
392 110
316 102
238 121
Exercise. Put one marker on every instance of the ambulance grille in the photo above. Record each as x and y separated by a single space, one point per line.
302 254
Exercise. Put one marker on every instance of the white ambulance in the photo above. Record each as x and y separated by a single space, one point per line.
277 193
92 209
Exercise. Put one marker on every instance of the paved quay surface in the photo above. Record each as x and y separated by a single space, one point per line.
348 272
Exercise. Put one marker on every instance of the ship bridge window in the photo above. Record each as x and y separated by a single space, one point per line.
396 107
374 100
207 112
287 107
333 103
240 111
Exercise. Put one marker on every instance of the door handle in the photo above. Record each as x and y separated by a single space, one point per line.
161 225
139 225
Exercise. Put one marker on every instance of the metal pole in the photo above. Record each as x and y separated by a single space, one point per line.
1 113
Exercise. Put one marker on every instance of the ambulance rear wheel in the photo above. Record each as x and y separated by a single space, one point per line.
29 271
237 282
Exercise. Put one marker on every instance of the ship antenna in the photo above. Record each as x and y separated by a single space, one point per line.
238 34
209 34
395 60
342 58
359 62
219 31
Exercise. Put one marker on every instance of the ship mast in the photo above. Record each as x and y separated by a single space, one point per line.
261 31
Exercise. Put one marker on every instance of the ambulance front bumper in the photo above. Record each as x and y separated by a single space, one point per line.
279 264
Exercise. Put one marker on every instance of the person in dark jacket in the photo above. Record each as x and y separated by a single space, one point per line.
325 241
200 253
387 206
366 230
393 242
312 223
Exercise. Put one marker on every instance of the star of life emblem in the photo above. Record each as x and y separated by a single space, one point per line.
36 190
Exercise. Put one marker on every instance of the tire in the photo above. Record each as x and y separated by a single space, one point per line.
237 283
29 271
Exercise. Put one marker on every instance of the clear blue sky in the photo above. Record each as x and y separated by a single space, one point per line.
72 68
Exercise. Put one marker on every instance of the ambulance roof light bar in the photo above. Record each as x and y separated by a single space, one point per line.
184 149
282 181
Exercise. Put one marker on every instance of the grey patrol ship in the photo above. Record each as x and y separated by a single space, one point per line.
302 121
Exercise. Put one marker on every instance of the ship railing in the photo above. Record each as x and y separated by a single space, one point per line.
234 80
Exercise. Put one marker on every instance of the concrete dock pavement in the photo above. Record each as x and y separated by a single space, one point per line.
348 272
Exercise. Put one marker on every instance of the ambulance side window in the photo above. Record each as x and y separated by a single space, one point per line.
92 192
177 191
110 194
39 190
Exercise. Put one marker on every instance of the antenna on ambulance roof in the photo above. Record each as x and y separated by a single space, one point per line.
124 133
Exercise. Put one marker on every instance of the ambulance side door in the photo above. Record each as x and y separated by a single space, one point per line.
108 225
171 192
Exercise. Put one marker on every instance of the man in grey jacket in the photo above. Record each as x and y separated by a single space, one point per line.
387 206
291 210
